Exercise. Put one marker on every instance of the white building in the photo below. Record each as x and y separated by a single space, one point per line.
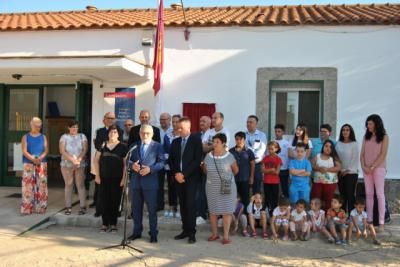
334 64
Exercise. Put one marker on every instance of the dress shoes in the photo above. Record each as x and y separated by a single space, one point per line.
192 239
181 236
153 239
134 237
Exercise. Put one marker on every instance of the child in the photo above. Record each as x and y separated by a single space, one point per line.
317 219
246 162
298 221
239 217
300 170
326 166
284 155
358 222
271 166
257 215
280 219
336 220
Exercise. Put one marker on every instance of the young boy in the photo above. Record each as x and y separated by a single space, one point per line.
298 221
284 155
359 224
246 162
280 219
336 220
300 169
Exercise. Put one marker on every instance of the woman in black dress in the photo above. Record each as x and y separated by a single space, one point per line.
110 170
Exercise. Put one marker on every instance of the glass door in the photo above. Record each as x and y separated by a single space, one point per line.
22 103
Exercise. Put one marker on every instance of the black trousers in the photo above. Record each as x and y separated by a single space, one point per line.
110 195
172 195
347 188
201 198
284 177
160 192
187 202
243 191
97 199
271 196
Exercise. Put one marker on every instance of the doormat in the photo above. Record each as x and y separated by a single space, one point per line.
15 195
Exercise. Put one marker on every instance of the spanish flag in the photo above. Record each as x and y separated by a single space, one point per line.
159 49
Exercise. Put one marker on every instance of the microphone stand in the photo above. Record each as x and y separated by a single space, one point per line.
124 206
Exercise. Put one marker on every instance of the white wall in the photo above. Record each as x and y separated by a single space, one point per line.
219 65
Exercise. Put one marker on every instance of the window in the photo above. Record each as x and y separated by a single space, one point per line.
294 102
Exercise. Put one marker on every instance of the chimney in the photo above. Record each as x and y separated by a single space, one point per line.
91 8
176 6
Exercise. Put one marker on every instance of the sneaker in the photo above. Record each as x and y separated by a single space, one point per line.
344 242
331 240
178 215
200 220
377 242
245 233
170 214
166 213
264 235
285 238
338 242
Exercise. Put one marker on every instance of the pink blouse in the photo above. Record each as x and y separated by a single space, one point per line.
371 152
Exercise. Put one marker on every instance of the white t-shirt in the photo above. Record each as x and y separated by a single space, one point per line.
359 217
298 216
212 133
278 212
318 220
284 154
256 211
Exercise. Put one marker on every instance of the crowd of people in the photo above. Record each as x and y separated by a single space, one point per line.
287 188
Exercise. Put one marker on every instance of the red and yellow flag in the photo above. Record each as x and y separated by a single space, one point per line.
159 49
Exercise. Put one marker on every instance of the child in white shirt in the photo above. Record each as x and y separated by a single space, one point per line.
298 221
317 219
257 214
280 219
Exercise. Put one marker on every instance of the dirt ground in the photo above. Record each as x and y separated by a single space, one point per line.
79 246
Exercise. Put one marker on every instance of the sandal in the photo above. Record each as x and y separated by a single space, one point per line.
113 229
103 229
68 211
265 235
213 238
226 241
82 211
254 234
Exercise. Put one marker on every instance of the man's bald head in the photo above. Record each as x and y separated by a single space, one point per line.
205 123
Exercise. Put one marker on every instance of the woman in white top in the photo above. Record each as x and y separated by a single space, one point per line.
326 166
300 136
73 149
347 149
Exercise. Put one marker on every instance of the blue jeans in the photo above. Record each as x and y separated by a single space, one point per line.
299 190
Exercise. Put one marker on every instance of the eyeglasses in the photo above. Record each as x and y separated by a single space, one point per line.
127 124
146 133
110 118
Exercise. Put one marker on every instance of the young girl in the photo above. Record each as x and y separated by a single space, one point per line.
317 219
280 219
257 215
238 217
300 136
271 166
326 166
298 221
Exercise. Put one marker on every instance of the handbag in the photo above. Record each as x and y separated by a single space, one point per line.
226 185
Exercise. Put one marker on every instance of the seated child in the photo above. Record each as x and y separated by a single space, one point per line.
280 219
336 220
257 213
317 219
358 223
298 221
238 217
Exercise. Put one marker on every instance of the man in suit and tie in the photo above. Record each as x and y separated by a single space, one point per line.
184 160
147 159
134 135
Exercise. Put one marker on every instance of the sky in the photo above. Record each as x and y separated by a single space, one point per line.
9 6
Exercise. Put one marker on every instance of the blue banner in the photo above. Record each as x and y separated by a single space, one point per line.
124 105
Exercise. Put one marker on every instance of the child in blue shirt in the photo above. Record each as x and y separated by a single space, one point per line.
300 171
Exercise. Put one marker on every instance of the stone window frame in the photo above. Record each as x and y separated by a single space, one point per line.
325 75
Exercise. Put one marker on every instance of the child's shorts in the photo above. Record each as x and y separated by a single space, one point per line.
338 227
282 222
360 226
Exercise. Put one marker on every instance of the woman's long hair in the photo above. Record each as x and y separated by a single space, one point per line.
303 137
352 136
380 131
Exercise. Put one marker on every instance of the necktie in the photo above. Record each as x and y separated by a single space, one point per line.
142 151
183 144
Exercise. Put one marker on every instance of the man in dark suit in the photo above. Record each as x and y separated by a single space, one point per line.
134 135
102 137
147 159
185 159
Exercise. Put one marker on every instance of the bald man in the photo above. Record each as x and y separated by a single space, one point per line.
134 135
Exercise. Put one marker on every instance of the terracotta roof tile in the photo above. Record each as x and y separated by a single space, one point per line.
374 14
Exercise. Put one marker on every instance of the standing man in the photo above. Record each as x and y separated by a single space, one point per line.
165 125
144 118
147 159
99 141
325 131
128 125
217 121
256 142
284 155
185 159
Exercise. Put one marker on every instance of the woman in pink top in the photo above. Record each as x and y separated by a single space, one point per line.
373 163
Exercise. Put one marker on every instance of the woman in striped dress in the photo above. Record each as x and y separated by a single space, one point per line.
220 164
